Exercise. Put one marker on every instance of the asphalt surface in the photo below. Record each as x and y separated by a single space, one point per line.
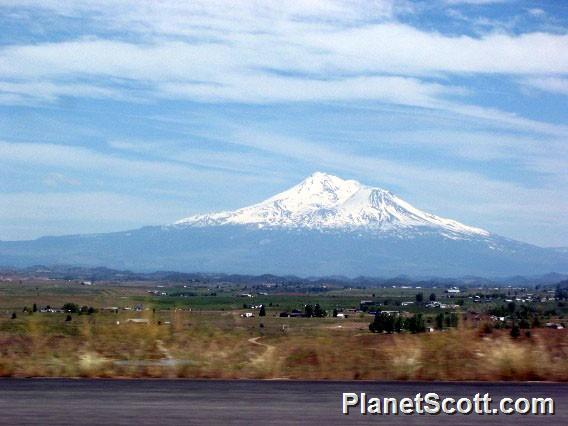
187 402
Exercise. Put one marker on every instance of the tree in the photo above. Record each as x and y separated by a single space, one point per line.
309 311
420 297
432 297
454 320
334 313
515 331
318 311
34 309
384 322
562 290
70 307
68 318
440 321
377 325
262 312
415 324
398 324
389 323
14 316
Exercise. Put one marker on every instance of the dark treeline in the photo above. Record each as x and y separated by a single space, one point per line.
313 283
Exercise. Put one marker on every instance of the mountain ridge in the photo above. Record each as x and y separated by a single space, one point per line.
324 226
324 201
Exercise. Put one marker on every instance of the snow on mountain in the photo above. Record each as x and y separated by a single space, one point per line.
324 201
322 227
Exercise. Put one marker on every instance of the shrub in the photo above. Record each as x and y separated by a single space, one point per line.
515 331
70 307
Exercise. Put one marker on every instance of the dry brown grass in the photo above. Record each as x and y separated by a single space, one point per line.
217 345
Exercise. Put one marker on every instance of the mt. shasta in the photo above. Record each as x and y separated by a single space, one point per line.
322 226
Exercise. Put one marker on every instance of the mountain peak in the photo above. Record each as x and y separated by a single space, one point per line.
318 189
321 178
324 201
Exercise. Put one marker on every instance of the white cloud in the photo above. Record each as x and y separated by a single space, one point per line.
394 47
56 158
79 158
268 88
537 12
339 67
55 180
265 52
476 2
185 152
381 48
33 91
554 85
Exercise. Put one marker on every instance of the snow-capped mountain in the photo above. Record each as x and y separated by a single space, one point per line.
323 226
324 201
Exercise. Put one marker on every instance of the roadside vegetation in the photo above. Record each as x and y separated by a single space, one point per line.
60 329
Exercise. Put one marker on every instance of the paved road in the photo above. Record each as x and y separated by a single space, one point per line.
184 402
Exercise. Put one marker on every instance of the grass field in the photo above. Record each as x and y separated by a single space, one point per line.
204 336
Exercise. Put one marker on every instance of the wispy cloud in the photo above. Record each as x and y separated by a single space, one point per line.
476 2
554 85
55 180
57 213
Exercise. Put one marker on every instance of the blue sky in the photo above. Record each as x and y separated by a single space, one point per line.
119 114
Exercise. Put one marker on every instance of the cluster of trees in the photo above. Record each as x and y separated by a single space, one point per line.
446 320
420 297
504 310
523 316
70 308
73 308
432 298
314 311
561 292
390 323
